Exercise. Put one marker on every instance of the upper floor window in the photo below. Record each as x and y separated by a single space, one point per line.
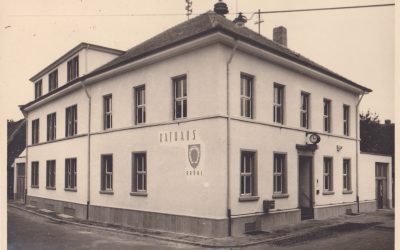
35 174
246 96
247 173
180 97
71 121
139 173
346 118
327 115
304 110
280 174
70 173
51 126
107 111
38 89
328 174
346 175
106 173
51 174
53 80
278 103
73 69
140 105
35 131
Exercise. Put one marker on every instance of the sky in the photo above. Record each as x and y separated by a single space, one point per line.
356 43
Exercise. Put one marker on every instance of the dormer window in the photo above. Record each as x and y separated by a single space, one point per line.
38 89
53 80
73 69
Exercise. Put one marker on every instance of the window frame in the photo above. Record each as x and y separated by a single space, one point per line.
246 99
34 174
107 112
347 175
70 180
278 107
35 131
248 195
136 173
71 120
305 110
51 174
182 99
346 120
140 106
328 175
106 176
282 174
327 123
52 126
73 68
38 88
53 80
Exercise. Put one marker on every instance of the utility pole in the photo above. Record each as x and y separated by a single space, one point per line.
259 21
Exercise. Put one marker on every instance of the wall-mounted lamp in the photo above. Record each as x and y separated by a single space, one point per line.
338 148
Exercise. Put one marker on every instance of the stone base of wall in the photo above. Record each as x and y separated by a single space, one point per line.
329 211
62 207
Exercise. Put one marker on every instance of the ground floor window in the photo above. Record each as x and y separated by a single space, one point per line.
35 174
70 173
346 175
280 174
247 173
51 174
106 173
139 173
328 176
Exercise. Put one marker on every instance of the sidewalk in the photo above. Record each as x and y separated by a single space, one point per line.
382 219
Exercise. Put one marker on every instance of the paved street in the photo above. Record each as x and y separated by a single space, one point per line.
369 231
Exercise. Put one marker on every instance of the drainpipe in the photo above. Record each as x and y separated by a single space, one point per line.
26 157
358 149
89 131
228 140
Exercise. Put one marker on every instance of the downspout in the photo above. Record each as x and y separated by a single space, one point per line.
26 157
89 131
228 140
358 149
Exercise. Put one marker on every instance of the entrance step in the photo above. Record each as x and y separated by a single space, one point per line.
307 213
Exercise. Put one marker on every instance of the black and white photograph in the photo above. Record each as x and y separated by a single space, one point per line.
198 124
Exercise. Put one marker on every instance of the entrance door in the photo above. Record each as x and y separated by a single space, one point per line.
20 181
305 187
381 185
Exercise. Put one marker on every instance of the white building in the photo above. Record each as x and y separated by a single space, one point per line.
196 130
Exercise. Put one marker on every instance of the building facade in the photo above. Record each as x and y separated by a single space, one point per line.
208 128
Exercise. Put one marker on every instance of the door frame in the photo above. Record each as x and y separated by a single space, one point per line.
312 187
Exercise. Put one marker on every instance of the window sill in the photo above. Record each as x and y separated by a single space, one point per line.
51 188
143 194
347 191
106 192
34 186
328 193
70 189
280 196
248 198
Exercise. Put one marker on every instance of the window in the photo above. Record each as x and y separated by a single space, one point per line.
327 115
278 103
304 109
139 173
140 105
346 175
328 177
180 97
247 174
346 118
106 173
35 174
51 127
107 109
280 174
70 173
38 89
53 80
51 174
35 131
71 121
246 96
381 170
73 69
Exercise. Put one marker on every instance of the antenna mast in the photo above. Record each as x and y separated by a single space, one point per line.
188 8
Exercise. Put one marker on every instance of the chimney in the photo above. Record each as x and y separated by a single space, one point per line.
221 8
280 35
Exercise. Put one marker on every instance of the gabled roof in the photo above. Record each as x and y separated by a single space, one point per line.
200 26
72 52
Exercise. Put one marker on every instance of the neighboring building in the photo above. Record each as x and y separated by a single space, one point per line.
193 131
16 143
